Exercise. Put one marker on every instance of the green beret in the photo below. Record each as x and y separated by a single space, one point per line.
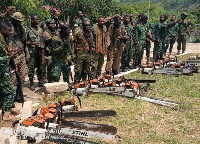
50 21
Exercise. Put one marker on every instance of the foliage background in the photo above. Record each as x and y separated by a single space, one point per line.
95 8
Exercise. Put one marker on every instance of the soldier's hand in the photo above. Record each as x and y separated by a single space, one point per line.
36 44
158 40
43 63
176 38
13 54
27 60
10 9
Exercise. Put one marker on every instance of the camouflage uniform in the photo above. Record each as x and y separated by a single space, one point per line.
18 39
99 36
48 35
161 32
7 91
171 41
61 57
83 45
183 31
115 49
140 39
128 50
149 28
34 35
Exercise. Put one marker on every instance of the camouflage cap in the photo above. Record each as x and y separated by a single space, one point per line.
184 13
50 21
18 16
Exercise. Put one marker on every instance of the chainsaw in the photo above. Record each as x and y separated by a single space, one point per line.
48 122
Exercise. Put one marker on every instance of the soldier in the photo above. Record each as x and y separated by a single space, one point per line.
99 31
62 51
48 34
173 33
149 30
78 20
184 27
127 52
84 46
7 91
161 32
140 39
132 20
117 34
18 39
35 43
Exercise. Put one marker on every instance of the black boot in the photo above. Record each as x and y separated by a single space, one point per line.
32 87
40 83
114 72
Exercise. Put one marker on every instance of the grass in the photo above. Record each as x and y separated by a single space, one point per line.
140 122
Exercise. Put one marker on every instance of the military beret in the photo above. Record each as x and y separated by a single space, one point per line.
50 21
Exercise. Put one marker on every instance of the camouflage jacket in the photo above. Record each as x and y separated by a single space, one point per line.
48 36
100 39
149 29
140 33
4 53
62 48
173 32
184 26
161 30
83 42
114 32
35 36
18 39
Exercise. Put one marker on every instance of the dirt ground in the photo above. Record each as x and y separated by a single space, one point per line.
35 95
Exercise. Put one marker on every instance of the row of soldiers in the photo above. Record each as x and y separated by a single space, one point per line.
53 47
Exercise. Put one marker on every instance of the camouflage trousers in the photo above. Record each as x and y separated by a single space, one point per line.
148 48
7 92
59 66
171 44
96 65
158 51
127 55
20 62
113 58
82 67
139 51
35 62
47 69
181 40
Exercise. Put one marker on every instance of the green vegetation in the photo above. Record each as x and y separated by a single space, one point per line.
142 122
95 8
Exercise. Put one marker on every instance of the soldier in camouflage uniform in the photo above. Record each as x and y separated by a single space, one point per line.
84 46
184 27
173 33
127 52
35 43
117 34
48 34
149 29
7 91
62 52
99 31
18 39
161 32
140 39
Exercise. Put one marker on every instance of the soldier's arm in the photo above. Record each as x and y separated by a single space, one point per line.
9 10
137 34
